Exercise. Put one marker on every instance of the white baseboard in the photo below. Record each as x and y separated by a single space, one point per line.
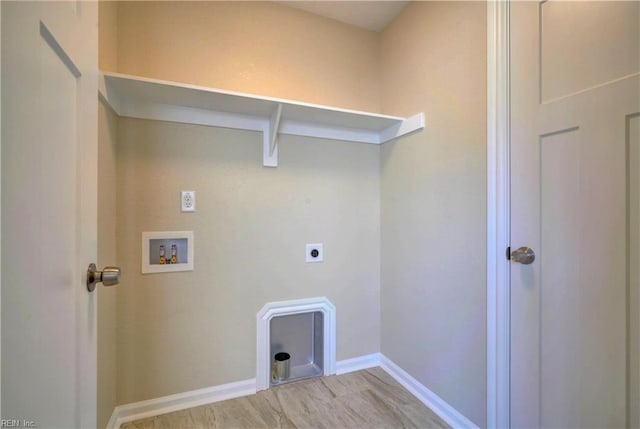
358 363
167 404
180 401
113 420
445 411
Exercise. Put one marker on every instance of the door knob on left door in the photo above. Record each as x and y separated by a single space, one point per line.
109 276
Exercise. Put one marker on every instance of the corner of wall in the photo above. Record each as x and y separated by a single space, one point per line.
433 201
108 35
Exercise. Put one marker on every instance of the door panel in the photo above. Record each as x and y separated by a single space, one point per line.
560 289
49 106
600 55
571 323
58 213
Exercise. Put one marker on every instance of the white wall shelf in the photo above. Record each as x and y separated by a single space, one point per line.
144 98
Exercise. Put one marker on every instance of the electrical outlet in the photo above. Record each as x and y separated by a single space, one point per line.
314 253
188 201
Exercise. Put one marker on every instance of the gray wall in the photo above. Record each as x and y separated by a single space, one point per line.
433 201
182 331
403 225
261 47
189 330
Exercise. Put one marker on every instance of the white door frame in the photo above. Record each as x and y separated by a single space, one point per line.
0 202
498 222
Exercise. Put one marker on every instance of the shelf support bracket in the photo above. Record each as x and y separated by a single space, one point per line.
270 139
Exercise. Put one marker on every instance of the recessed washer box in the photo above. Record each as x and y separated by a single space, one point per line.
167 251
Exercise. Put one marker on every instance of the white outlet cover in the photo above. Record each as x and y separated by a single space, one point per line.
188 201
309 255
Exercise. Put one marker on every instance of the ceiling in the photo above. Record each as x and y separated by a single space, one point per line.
371 15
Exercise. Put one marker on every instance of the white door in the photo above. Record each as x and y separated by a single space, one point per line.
49 143
575 125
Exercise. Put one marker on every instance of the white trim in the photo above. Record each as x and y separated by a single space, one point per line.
436 404
284 308
445 411
0 206
167 404
180 401
113 422
358 363
498 322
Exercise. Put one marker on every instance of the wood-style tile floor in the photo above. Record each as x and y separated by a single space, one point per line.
362 399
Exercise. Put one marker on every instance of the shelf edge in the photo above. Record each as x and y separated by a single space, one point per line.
271 126
283 101
408 126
